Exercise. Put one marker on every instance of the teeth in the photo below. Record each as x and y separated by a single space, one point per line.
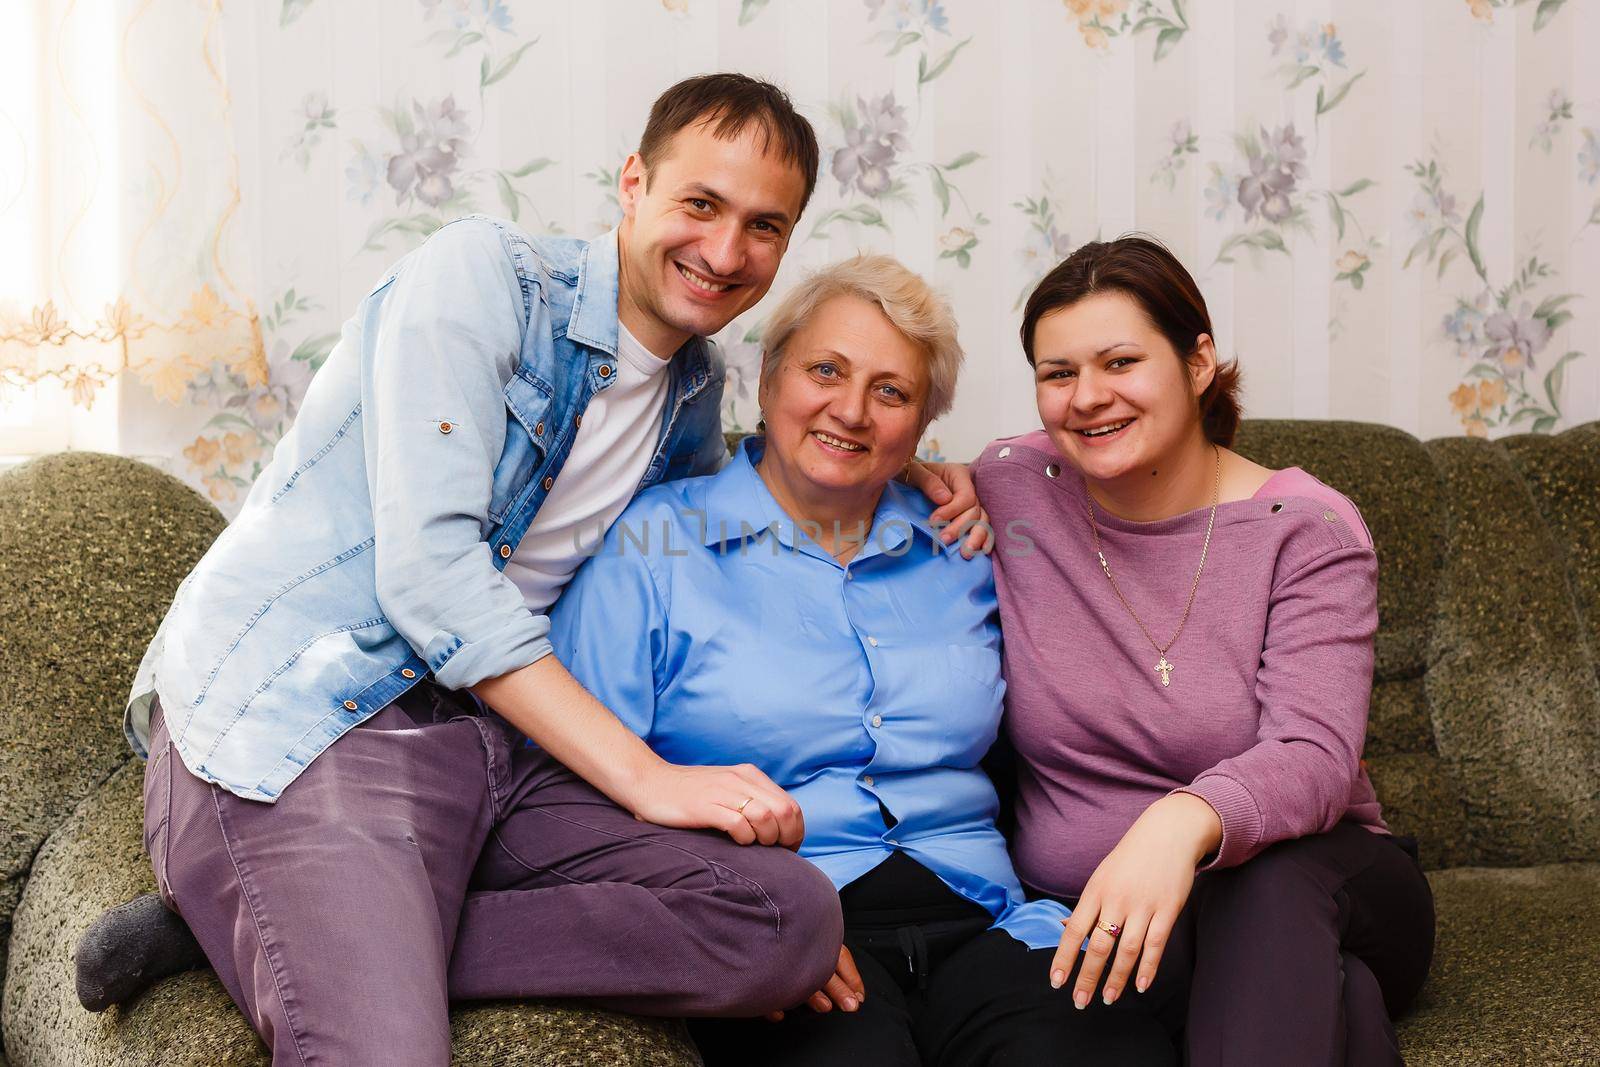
1102 431
710 287
837 443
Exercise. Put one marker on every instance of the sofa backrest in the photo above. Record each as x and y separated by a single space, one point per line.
92 548
1484 737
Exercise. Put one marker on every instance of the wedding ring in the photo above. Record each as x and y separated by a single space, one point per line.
1114 929
741 807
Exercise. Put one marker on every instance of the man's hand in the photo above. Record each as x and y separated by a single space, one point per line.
1140 888
845 990
740 801
950 487
546 703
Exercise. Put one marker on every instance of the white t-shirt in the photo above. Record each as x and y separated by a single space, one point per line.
613 448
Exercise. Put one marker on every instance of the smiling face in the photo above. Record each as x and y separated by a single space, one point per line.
1113 394
843 409
702 234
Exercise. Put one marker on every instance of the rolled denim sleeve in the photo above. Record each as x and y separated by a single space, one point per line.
447 338
610 625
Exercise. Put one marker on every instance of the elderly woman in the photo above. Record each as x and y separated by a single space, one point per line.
797 611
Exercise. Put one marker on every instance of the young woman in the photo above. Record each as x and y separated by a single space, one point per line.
1188 658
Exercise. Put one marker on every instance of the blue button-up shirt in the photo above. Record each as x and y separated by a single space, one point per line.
722 634
369 551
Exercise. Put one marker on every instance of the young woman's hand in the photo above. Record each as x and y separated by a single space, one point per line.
844 990
955 496
1140 887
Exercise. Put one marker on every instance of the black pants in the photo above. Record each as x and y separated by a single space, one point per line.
1306 953
943 990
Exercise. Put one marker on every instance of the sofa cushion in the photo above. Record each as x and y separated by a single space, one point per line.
1514 978
1511 682
96 859
91 549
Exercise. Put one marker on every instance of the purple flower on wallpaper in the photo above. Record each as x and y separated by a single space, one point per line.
1515 339
430 150
870 146
1276 164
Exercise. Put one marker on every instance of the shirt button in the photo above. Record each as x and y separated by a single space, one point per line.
605 370
548 483
407 672
1330 516
848 576
877 720
350 705
1004 452
505 551
446 427
538 429
866 779
873 641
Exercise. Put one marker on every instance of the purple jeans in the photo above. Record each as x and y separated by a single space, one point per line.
428 856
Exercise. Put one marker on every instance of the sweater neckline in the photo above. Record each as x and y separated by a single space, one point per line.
1229 511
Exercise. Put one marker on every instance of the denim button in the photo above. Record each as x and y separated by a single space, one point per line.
1052 471
350 705
577 422
505 551
548 483
605 370
538 429
446 427
407 672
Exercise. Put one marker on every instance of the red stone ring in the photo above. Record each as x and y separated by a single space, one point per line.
1114 929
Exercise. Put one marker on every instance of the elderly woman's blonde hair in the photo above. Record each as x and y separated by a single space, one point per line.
910 303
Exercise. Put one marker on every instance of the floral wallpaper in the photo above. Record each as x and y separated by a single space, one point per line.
1393 209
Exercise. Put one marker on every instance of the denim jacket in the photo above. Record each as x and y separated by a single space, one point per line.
369 551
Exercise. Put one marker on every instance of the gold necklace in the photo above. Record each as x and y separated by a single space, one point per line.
1164 667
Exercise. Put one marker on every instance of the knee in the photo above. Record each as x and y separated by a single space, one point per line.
794 952
1275 886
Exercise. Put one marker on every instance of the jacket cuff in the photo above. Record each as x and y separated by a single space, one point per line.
1240 815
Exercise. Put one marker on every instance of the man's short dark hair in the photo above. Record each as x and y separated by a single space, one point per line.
728 103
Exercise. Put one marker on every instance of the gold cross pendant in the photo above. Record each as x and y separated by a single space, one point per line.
1165 670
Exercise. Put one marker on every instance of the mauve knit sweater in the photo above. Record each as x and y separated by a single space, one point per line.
1267 711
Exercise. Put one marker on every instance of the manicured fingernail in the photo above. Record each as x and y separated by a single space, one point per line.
1081 999
1057 979
1109 996
1142 984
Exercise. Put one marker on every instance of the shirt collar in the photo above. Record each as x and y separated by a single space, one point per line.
739 506
594 312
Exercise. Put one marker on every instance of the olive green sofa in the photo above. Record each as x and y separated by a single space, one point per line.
1484 743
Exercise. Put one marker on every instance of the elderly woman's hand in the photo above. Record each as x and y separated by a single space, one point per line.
1140 887
950 487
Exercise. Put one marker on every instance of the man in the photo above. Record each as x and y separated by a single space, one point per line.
322 774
